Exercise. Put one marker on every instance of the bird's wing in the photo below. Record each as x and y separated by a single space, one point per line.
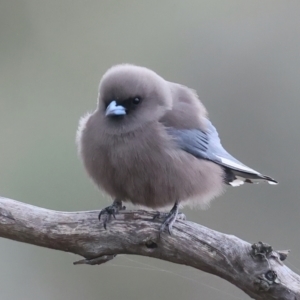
207 145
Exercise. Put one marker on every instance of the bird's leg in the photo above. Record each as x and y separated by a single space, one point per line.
111 210
170 219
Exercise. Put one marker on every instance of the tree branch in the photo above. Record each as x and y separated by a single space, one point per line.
256 269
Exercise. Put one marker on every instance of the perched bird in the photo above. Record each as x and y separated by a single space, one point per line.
150 142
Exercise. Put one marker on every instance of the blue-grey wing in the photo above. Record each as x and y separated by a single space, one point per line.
207 145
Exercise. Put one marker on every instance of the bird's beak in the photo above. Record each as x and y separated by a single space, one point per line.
115 110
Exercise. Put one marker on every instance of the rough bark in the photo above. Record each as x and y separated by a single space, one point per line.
256 269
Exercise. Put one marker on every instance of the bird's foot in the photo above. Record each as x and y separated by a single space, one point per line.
169 219
111 210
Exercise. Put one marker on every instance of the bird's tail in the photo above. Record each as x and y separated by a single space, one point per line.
237 178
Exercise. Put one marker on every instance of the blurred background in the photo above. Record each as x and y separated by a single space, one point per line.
243 58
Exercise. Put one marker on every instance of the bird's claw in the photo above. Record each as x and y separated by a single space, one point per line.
169 220
111 210
168 223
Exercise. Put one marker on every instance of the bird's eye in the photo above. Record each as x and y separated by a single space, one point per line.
136 100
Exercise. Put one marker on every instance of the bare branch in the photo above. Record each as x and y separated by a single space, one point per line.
256 269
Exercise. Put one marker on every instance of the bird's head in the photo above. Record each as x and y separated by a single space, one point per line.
130 96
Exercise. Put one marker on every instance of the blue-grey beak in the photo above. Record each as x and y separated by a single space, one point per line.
115 110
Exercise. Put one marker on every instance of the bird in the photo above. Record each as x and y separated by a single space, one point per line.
150 142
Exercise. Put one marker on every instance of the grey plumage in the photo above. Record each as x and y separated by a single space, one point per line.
207 145
150 142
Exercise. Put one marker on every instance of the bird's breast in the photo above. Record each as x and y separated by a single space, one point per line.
147 168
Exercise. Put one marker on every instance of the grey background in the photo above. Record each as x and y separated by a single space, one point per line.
243 58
